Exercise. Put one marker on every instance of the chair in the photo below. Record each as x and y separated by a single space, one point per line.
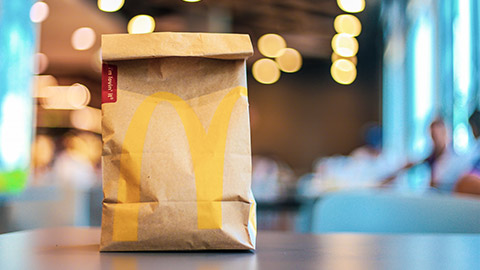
386 212
95 197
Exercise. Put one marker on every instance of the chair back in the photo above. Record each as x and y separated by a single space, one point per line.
387 212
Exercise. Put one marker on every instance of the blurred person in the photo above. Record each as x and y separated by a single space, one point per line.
78 164
445 166
474 121
470 182
441 148
372 137
43 149
271 179
273 187
363 168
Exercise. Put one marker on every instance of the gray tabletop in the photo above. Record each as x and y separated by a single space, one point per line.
77 248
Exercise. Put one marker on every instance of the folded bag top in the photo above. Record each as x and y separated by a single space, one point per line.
165 44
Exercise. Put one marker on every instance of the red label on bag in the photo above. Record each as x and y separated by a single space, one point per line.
109 83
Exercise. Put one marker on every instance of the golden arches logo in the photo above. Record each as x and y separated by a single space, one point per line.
207 151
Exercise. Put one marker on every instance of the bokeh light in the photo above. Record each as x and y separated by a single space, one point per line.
347 23
270 45
83 38
352 59
43 149
41 82
460 137
351 6
39 12
265 71
96 61
73 97
85 146
343 71
14 135
87 118
141 24
345 45
110 5
289 60
41 63
78 96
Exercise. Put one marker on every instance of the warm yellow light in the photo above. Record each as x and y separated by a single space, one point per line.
110 5
39 12
83 38
347 23
265 71
87 118
97 60
40 82
41 63
352 59
270 45
343 71
78 96
73 97
191 1
344 45
351 6
43 149
289 60
141 24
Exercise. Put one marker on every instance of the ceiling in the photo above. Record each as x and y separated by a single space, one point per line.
258 16
306 25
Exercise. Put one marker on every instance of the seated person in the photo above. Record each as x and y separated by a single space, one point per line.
445 165
441 146
470 182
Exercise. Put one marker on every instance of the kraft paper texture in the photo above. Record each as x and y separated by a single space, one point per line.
176 153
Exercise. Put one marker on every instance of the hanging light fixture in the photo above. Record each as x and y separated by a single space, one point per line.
270 45
141 24
343 71
351 6
265 71
348 24
344 45
110 5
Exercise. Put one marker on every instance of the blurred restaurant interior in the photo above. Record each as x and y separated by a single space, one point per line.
375 96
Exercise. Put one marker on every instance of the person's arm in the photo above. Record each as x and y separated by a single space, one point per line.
387 181
469 183
433 181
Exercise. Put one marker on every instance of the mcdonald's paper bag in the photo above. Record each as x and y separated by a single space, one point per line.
176 142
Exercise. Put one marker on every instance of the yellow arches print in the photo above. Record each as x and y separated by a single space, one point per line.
207 151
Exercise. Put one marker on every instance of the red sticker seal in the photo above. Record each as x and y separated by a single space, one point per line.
109 83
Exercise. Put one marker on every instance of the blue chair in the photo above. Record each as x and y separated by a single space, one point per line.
386 212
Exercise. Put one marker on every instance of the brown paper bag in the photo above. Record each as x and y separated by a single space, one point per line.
176 153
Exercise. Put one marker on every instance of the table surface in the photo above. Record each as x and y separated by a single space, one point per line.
77 248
